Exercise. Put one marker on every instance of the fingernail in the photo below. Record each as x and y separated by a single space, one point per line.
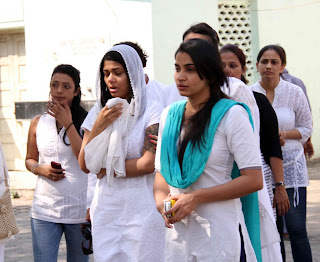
149 135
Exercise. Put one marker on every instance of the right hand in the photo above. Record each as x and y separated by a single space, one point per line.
50 173
107 116
282 138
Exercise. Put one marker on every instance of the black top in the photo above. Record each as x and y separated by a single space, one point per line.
269 129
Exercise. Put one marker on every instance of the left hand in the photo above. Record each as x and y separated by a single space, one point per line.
281 200
61 112
154 140
308 149
185 204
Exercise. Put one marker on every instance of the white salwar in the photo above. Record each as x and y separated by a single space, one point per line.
126 225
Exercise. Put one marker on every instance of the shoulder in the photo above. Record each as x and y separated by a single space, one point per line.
292 87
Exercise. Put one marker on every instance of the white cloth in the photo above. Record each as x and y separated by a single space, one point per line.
211 231
126 225
109 148
291 107
63 201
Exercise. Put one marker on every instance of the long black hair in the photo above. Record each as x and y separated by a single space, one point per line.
77 111
207 61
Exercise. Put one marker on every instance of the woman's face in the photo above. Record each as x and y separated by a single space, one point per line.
231 65
62 88
187 78
116 79
270 65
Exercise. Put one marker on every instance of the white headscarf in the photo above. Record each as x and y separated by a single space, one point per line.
108 149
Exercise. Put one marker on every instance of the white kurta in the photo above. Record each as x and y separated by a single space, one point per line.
63 201
126 225
211 231
291 107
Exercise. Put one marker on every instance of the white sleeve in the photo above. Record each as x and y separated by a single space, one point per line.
161 126
91 118
155 110
303 115
241 140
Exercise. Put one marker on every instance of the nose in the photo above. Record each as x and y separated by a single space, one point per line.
180 76
60 89
268 65
110 78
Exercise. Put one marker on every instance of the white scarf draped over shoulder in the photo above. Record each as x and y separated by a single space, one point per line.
109 149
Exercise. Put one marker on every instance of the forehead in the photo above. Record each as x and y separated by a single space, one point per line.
196 36
111 65
61 77
183 58
229 56
270 54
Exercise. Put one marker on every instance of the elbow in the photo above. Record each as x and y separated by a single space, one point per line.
149 168
259 182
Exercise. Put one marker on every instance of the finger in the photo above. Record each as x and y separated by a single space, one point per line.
153 141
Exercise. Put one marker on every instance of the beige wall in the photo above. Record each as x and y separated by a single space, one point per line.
294 25
170 19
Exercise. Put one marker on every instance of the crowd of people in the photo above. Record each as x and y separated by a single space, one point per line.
232 158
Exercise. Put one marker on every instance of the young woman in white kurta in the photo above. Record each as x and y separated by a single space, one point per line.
208 213
295 128
125 223
59 204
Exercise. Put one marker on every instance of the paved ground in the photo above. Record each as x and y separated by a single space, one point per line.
20 249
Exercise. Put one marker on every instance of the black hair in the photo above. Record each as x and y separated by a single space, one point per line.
77 111
278 49
142 54
207 61
239 54
204 29
104 91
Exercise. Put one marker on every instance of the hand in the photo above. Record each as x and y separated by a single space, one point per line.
102 173
282 138
308 149
153 140
281 200
107 116
61 112
185 204
88 215
51 173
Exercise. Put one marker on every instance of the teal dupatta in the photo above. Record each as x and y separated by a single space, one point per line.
195 159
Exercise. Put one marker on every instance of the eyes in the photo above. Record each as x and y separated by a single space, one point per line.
273 62
187 68
116 73
56 85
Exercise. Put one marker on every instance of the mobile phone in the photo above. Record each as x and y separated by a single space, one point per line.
56 165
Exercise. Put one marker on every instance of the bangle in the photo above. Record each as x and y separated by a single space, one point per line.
279 183
34 167
69 126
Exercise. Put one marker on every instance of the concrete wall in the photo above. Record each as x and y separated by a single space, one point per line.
294 25
170 19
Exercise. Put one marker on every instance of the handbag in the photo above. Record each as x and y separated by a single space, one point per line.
8 224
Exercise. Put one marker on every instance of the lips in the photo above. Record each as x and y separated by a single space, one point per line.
182 87
60 99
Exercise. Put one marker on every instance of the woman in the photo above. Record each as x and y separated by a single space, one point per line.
234 62
208 223
126 224
295 125
59 204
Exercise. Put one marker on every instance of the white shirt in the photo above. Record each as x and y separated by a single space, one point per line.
63 201
291 107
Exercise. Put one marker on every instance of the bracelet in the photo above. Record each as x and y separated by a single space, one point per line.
69 126
34 167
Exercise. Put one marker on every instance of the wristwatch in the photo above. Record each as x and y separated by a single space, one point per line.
281 183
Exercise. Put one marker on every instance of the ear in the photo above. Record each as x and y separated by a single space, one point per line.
76 92
257 65
282 68
243 70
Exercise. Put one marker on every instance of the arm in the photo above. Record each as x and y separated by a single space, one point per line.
280 200
249 181
144 164
32 156
62 114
